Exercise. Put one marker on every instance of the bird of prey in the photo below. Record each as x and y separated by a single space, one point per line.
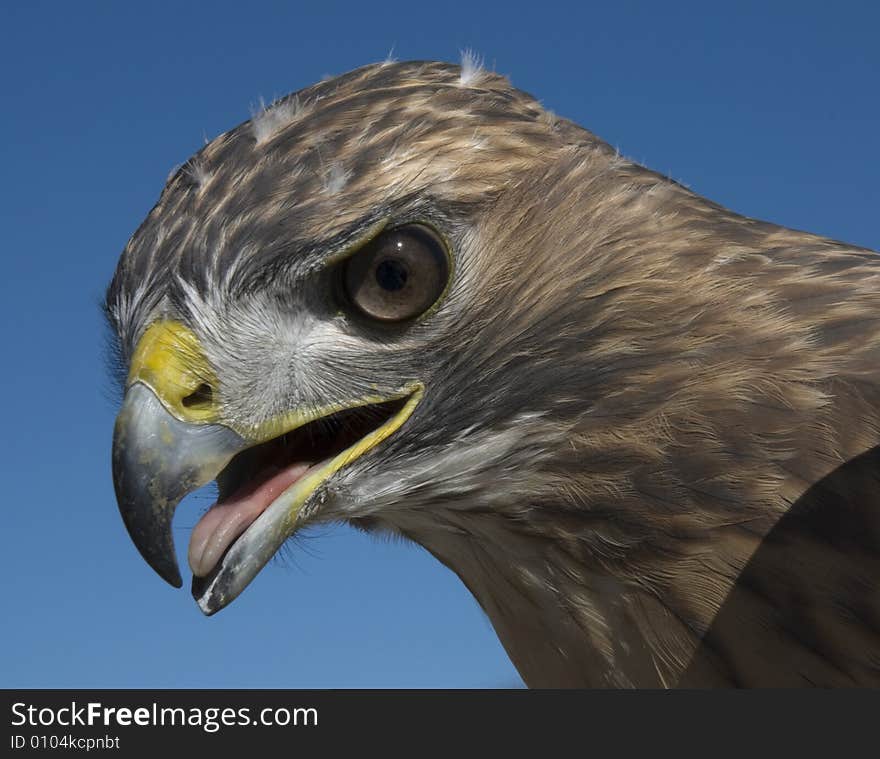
642 429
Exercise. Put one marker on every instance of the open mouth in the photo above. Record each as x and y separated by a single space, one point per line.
255 478
171 437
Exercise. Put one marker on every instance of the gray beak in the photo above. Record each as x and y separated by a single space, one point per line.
157 460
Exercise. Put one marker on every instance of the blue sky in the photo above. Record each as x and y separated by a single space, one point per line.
769 108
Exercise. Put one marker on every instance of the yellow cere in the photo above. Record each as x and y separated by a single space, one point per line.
170 361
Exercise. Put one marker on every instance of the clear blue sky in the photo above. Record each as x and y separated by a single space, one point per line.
772 109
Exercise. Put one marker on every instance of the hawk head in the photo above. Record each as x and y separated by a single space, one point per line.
411 299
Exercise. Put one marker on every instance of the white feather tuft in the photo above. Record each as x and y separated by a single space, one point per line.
471 67
197 173
266 121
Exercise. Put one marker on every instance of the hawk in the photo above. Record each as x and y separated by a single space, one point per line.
642 429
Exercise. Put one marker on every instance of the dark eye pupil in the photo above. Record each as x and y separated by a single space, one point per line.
391 275
397 275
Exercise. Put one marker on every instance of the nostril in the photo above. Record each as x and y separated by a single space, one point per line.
200 397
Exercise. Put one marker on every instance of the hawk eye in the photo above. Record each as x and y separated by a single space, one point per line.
397 276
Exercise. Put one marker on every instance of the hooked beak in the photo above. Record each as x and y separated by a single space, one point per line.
170 439
157 460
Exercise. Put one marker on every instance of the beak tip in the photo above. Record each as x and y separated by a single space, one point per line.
156 546
175 581
164 567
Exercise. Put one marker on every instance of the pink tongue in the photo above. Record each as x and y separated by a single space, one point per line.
224 522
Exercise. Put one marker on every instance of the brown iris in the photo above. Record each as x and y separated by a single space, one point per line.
397 276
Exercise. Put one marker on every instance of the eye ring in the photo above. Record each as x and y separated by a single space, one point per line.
397 276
